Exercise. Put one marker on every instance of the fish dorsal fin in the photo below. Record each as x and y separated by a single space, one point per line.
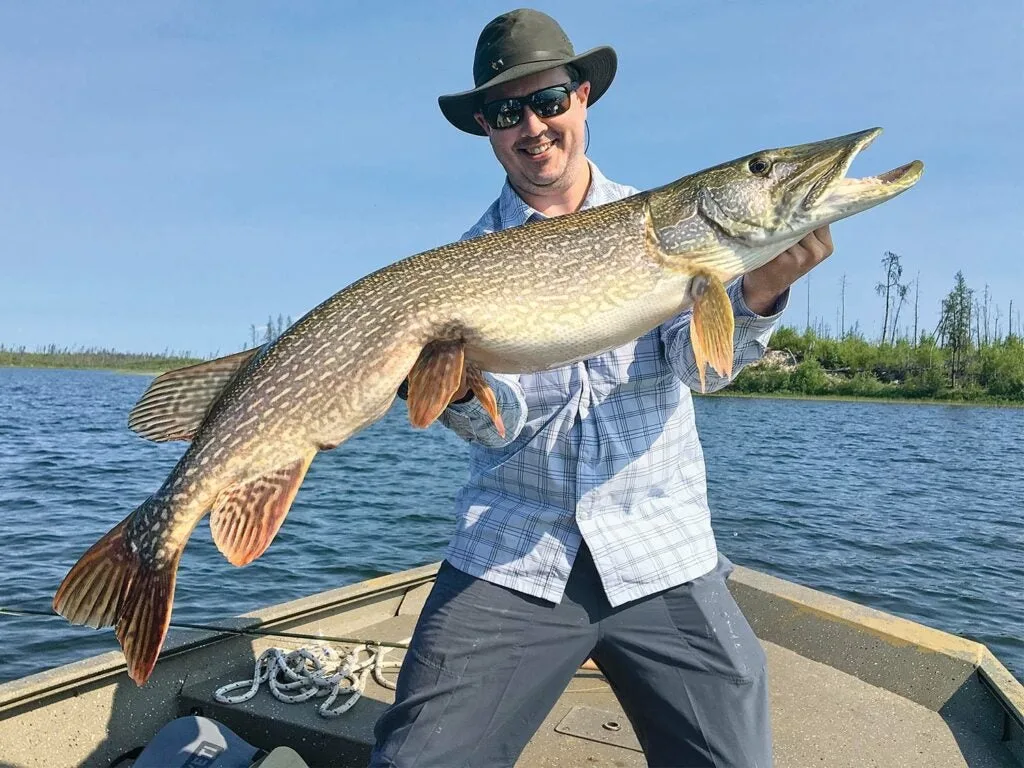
246 517
176 402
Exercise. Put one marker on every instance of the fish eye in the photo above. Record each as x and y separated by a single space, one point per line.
759 166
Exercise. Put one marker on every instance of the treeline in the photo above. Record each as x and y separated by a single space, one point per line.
964 359
53 356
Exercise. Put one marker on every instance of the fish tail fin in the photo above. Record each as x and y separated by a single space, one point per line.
110 585
145 616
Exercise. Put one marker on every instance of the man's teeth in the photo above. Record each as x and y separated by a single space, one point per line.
539 148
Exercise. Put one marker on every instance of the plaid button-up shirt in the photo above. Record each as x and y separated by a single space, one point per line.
605 449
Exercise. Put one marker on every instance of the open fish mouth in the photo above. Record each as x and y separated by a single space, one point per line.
848 195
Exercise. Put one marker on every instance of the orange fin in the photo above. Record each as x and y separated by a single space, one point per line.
433 380
712 326
110 585
483 392
93 589
246 517
145 616
176 402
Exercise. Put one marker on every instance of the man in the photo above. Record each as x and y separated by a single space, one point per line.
584 531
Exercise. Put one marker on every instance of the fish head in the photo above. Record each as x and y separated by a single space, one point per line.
758 205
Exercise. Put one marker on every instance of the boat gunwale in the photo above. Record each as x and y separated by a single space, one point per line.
93 670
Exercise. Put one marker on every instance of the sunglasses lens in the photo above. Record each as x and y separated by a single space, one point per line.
509 113
503 114
550 102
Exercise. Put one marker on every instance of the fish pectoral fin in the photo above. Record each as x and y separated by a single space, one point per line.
434 378
247 516
712 326
176 402
476 381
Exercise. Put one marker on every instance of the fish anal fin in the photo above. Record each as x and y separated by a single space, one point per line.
175 403
483 392
712 326
434 378
247 516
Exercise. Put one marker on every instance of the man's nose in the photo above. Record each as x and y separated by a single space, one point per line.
532 124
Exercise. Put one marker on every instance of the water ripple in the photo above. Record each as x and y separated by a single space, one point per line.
911 509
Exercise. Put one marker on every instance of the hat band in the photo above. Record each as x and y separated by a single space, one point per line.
502 63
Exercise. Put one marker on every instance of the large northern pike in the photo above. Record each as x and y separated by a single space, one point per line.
522 300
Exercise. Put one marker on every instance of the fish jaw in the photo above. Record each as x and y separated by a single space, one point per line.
806 188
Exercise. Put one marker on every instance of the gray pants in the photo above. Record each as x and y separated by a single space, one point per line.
487 664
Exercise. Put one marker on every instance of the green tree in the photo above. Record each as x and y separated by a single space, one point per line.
954 329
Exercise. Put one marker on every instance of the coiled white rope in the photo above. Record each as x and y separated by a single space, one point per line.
319 670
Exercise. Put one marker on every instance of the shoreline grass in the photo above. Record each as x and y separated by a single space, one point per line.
901 400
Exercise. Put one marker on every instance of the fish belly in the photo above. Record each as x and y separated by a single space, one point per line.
550 341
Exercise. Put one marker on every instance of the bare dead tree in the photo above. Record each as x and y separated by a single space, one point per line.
889 289
901 293
842 305
808 301
917 295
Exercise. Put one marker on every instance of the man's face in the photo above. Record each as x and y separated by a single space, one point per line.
539 155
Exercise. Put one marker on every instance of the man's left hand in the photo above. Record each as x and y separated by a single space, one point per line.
763 286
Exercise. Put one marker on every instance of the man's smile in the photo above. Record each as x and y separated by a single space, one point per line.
537 150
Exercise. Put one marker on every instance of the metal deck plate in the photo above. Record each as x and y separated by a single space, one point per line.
599 725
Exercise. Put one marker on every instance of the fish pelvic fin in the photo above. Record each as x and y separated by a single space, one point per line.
711 327
111 586
175 404
476 381
435 377
247 516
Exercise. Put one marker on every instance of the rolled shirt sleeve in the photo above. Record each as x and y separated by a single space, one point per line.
472 423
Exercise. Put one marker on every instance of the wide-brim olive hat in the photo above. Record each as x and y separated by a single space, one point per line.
519 43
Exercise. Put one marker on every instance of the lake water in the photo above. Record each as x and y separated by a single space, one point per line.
912 509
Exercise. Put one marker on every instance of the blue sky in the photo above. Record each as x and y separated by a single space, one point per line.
172 173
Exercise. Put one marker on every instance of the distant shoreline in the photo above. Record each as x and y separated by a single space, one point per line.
981 403
728 392
156 371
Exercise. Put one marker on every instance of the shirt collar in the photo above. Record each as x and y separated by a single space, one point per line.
514 211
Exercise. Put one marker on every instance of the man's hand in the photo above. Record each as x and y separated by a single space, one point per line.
463 390
763 286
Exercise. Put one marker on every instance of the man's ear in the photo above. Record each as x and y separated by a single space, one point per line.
583 92
482 123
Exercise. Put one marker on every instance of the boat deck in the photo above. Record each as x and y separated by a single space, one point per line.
849 687
821 716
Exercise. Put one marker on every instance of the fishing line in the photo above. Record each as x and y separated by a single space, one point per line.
254 631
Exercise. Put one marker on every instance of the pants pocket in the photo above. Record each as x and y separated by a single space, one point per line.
712 624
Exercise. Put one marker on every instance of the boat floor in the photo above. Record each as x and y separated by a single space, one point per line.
820 716
849 686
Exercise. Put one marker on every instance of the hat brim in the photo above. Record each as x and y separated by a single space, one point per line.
597 66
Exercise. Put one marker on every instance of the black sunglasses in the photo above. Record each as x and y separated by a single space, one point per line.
547 102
